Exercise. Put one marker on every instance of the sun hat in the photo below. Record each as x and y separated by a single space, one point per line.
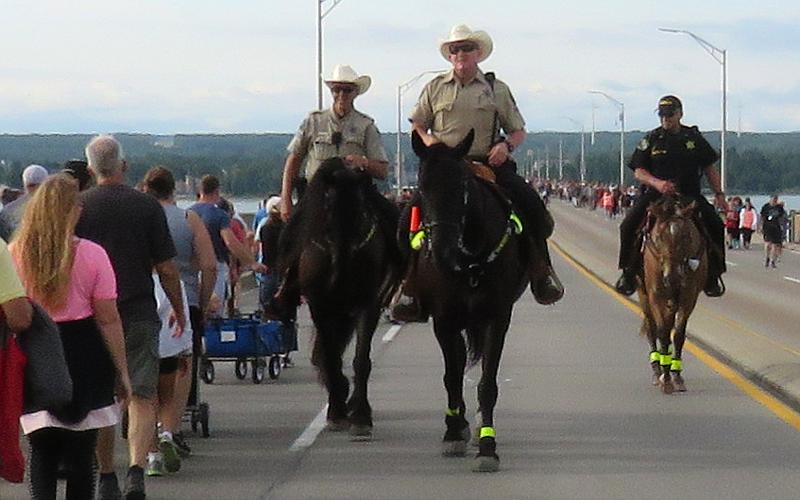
343 73
463 33
33 175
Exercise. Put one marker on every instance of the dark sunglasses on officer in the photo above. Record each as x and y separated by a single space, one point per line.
455 48
343 89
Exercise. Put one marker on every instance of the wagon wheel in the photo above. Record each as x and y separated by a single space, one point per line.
275 367
207 371
258 370
241 369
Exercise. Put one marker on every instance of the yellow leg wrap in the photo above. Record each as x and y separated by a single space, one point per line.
453 413
417 239
655 357
487 432
666 360
676 365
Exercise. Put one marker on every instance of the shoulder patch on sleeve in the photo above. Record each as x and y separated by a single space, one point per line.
643 144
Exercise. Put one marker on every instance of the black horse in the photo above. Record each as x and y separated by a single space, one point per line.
470 271
346 269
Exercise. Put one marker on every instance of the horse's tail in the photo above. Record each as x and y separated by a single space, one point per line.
476 336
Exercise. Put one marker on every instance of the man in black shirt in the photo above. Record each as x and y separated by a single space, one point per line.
132 228
670 160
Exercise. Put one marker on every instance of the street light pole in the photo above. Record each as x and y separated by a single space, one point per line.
621 134
320 16
721 56
583 144
401 89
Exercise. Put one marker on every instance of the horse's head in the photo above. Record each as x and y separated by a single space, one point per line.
674 240
442 182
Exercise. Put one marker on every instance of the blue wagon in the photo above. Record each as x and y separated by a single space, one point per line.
246 340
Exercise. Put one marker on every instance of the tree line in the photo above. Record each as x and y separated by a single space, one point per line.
252 164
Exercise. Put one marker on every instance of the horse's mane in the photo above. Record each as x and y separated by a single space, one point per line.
332 174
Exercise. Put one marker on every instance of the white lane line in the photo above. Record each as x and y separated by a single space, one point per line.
793 280
309 435
390 334
732 264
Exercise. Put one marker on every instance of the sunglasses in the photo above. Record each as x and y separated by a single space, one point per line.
342 89
461 47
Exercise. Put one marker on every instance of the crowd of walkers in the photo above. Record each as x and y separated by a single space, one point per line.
128 278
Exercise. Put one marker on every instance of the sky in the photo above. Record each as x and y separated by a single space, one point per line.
242 66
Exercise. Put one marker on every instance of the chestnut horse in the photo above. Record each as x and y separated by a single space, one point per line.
470 271
675 267
346 271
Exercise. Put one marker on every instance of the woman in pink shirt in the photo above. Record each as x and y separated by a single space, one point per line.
73 280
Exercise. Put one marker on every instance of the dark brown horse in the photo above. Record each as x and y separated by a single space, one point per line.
675 268
346 272
470 271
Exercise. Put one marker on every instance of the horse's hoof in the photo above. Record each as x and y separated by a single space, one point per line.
454 448
360 433
680 385
666 385
655 380
486 464
337 425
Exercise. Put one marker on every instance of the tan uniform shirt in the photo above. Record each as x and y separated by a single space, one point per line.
314 141
449 110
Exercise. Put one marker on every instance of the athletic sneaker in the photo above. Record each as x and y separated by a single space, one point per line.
172 461
134 484
184 450
155 465
108 487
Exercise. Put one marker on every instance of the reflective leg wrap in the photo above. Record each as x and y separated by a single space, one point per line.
676 365
655 357
666 360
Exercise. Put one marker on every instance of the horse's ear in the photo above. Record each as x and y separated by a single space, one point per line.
462 148
689 210
419 147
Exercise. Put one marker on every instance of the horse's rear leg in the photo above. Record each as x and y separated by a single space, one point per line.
359 410
331 341
494 339
454 351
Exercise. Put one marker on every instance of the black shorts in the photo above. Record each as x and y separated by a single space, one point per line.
168 365
773 233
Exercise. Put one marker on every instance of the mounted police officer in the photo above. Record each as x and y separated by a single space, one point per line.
343 132
467 99
670 160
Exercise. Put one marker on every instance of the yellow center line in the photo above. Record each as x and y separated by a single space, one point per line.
779 408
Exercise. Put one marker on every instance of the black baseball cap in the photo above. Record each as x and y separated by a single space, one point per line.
78 169
669 105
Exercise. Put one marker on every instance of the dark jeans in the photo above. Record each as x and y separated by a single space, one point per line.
708 216
48 447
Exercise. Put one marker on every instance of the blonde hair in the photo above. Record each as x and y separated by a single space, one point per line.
44 244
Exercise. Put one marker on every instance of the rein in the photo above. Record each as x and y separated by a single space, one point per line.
355 248
476 268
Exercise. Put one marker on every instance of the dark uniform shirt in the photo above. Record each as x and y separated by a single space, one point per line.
680 158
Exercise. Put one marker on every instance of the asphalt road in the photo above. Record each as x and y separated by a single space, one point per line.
577 417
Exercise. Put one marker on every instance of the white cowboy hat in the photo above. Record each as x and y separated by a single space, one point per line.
343 73
462 33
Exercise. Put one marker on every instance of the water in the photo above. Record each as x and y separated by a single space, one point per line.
242 205
791 202
250 205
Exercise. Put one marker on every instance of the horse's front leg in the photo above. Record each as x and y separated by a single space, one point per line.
454 351
331 340
359 410
493 341
679 339
648 330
